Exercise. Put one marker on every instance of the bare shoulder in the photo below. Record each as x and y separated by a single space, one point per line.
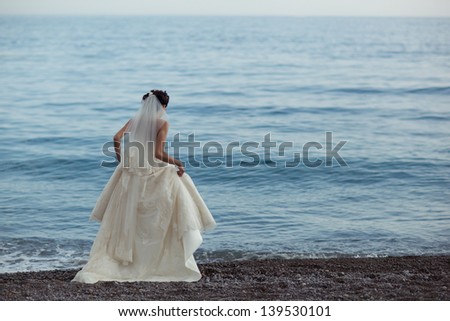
163 130
164 125
121 131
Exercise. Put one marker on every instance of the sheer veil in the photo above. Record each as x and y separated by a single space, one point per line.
137 161
140 137
151 219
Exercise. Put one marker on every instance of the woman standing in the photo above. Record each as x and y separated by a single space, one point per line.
151 213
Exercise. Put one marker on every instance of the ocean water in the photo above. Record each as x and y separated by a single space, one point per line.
381 85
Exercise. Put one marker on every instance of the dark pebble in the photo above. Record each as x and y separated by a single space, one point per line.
389 278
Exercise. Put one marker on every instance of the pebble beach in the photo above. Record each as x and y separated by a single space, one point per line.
425 278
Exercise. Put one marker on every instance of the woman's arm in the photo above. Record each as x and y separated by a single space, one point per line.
161 154
117 138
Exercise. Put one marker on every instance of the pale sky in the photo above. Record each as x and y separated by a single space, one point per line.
230 7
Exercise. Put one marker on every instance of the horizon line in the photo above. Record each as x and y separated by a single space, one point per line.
222 15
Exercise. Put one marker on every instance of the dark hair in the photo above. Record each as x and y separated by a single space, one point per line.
162 96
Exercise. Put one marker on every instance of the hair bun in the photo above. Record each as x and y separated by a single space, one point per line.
162 96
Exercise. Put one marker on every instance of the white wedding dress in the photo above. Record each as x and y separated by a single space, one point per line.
151 225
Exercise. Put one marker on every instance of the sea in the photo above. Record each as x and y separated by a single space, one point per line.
307 137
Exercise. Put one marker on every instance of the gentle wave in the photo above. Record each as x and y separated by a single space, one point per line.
363 91
37 254
240 79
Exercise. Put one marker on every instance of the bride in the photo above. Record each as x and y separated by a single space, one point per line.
151 214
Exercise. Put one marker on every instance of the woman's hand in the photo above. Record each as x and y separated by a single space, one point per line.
161 154
180 170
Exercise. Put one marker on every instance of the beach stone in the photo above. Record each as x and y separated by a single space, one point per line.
389 278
